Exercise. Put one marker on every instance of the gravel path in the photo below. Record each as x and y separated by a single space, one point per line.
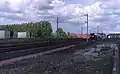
49 64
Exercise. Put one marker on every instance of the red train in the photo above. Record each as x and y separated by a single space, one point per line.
91 36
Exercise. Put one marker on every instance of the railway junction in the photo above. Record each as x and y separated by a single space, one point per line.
73 56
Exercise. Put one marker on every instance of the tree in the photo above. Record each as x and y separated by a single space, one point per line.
54 35
61 33
70 36
44 30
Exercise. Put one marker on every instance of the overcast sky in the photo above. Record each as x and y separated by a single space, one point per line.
105 13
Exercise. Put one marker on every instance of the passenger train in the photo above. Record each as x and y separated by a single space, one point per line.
113 35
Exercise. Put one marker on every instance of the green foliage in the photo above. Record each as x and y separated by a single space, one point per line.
69 36
40 29
54 35
60 33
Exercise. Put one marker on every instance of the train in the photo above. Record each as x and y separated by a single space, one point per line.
97 36
27 35
113 35
93 36
6 34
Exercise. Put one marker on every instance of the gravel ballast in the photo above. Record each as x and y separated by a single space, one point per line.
48 64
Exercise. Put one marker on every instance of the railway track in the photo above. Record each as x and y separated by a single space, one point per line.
75 45
12 50
118 59
15 41
86 45
17 50
29 45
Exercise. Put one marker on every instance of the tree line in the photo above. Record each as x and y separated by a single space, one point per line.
41 29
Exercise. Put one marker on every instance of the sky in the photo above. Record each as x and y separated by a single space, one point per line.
102 13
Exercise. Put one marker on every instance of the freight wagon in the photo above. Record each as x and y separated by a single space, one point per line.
4 34
24 35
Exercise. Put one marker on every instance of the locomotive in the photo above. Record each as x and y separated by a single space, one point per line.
98 36
93 36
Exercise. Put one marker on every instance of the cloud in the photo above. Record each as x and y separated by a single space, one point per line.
104 13
24 9
12 16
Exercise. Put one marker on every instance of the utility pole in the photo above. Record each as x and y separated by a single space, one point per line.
97 29
81 29
90 31
101 30
87 27
57 23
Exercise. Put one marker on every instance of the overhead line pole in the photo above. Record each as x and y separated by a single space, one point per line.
97 29
57 23
87 26
81 29
90 31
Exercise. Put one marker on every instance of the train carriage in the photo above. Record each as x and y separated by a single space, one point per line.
112 35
